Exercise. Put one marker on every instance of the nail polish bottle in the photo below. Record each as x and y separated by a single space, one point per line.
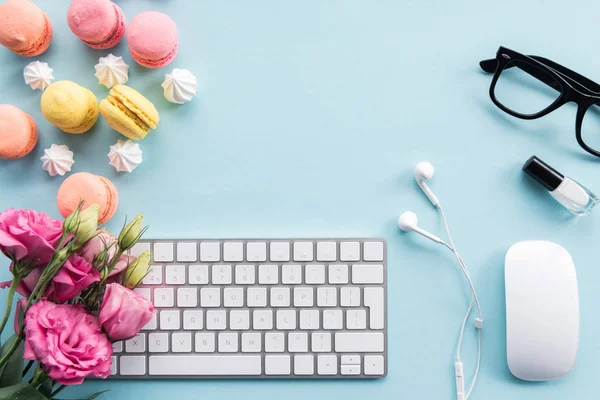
571 194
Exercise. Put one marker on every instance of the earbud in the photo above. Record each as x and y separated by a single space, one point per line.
408 221
424 171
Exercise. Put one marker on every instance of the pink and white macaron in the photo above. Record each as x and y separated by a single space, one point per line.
152 39
98 23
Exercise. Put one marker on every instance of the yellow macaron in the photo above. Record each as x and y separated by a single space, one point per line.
129 113
72 108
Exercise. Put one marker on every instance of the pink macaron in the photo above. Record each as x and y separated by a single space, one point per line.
152 38
18 132
98 23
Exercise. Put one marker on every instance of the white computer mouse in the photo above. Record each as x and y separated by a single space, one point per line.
542 310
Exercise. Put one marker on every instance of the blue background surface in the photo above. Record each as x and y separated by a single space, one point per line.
309 120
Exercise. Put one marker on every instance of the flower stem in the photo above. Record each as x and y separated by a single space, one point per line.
11 295
39 377
10 351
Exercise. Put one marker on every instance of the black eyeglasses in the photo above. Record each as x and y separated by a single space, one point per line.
538 86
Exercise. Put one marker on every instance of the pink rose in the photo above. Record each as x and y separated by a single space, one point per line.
72 278
124 312
67 341
97 244
28 236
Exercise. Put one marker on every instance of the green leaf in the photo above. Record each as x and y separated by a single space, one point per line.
46 387
11 374
22 391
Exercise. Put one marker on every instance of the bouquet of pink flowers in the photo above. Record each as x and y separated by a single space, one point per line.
77 282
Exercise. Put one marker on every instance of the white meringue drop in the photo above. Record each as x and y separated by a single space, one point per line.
57 160
125 156
38 75
180 86
112 71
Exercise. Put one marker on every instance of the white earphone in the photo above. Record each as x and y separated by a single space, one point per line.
407 222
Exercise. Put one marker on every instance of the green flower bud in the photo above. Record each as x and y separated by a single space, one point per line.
132 232
70 224
137 270
88 225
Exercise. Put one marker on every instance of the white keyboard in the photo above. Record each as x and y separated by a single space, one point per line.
298 308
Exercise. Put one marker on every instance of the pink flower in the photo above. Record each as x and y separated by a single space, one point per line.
67 341
73 277
28 236
124 262
124 312
98 243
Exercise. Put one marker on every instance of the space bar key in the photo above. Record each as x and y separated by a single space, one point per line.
204 365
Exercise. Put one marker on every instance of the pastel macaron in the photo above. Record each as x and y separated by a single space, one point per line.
129 112
70 107
98 23
90 189
18 132
24 28
152 39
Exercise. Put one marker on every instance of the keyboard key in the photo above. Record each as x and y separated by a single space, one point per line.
187 297
233 251
280 251
136 344
257 297
327 365
175 274
291 274
144 292
152 324
164 297
314 274
154 275
303 297
210 297
170 320
163 252
244 274
181 342
309 319
117 347
239 320
204 342
350 369
304 365
233 297
303 251
332 319
193 320
216 320
187 252
113 365
262 320
210 251
256 251
158 342
298 342
139 248
132 365
350 296
367 274
350 251
277 365
280 297
228 342
214 365
251 343
268 274
274 342
286 319
374 300
321 342
338 273
356 319
352 359
373 251
326 251
198 274
359 342
327 296
374 365
221 274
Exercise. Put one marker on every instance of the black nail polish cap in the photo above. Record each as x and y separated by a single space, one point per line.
543 173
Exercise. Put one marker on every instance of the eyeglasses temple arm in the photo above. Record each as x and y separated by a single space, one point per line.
579 79
491 65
